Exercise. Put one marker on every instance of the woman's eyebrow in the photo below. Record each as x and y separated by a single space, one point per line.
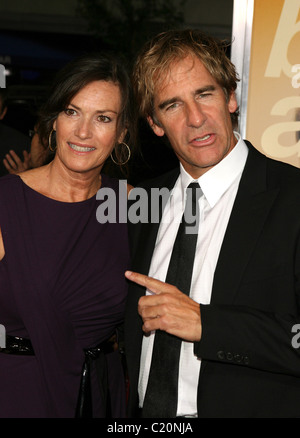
107 110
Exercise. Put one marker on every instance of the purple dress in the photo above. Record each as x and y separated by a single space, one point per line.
62 285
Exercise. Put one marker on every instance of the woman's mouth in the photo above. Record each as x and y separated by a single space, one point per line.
78 148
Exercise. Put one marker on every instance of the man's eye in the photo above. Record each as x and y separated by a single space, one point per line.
172 106
204 95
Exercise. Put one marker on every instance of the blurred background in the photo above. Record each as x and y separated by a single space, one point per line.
37 38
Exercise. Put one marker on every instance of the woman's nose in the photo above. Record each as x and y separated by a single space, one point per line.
83 128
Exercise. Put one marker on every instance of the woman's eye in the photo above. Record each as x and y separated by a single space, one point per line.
104 119
70 112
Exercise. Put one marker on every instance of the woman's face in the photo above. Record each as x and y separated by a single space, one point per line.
86 131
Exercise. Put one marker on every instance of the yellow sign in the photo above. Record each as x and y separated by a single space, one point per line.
273 108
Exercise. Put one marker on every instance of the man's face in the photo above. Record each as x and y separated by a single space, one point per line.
191 109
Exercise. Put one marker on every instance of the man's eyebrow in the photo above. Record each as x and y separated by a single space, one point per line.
205 89
168 102
174 99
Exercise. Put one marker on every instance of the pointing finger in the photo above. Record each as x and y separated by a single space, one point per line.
152 284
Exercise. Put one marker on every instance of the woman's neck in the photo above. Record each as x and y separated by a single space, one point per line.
62 184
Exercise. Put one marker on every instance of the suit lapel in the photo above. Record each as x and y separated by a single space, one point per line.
249 214
148 231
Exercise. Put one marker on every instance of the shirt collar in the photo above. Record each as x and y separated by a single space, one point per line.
219 178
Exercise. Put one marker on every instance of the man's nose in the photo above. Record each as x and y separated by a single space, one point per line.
195 115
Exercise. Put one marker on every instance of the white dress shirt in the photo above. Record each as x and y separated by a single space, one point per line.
219 186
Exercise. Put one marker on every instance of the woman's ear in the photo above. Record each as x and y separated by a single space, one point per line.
54 125
122 136
158 130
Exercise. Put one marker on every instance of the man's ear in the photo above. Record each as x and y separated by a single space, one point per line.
3 113
158 130
232 103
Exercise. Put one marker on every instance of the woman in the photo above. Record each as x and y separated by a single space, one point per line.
62 272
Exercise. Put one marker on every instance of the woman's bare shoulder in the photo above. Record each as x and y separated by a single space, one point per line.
34 178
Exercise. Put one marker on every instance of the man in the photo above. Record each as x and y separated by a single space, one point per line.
236 326
14 145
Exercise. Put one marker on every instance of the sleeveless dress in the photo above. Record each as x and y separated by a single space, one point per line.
62 285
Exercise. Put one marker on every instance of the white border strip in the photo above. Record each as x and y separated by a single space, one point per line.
240 54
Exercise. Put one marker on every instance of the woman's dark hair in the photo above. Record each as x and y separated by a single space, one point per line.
74 77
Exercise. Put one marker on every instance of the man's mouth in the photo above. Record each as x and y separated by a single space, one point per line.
206 137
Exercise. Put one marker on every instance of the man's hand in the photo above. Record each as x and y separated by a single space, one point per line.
167 309
14 164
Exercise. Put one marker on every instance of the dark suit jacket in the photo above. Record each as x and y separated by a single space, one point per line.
10 138
249 367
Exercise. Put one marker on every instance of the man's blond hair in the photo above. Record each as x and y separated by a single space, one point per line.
157 56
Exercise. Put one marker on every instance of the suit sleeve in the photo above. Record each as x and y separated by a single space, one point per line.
259 327
247 336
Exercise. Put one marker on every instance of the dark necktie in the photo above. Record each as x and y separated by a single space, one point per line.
162 389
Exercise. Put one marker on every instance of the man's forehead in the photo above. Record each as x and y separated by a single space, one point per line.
176 66
179 71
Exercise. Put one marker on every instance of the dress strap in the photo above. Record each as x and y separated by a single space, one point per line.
94 355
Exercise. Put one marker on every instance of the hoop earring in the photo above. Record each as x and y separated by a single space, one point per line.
129 155
50 142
